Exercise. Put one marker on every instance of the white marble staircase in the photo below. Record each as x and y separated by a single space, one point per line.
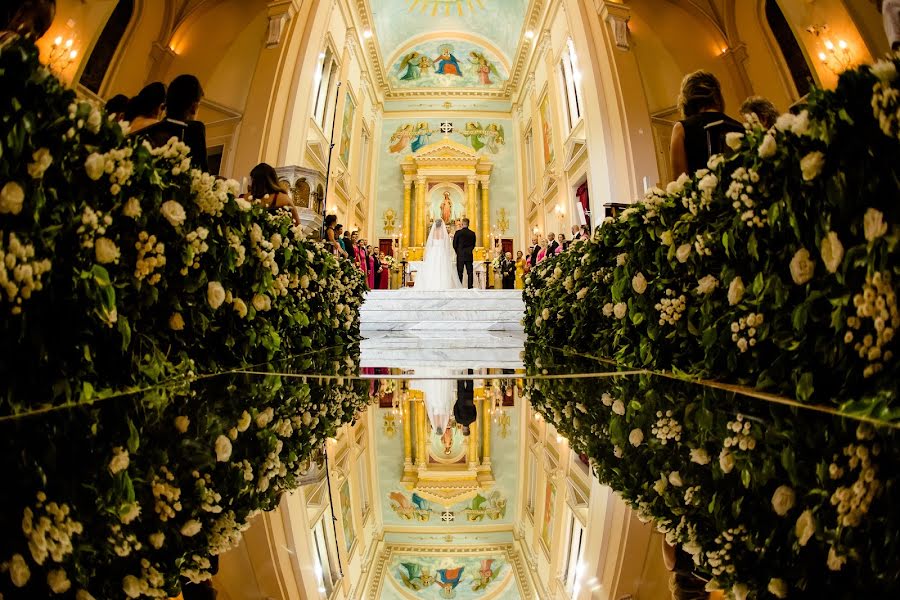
449 310
465 349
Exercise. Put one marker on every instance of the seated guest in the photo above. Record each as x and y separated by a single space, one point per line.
146 108
182 103
268 191
115 106
757 109
702 131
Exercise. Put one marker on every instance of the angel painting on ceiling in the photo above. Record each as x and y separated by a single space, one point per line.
483 67
446 63
479 137
413 65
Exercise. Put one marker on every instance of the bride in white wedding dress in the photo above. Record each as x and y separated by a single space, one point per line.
438 271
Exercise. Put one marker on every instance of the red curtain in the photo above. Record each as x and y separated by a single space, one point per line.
582 195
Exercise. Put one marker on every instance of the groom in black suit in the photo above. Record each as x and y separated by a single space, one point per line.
463 244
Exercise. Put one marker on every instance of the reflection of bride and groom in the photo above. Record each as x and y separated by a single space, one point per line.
446 412
436 271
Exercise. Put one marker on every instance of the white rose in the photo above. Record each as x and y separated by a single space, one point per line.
223 448
619 310
666 238
805 527
131 512
699 456
94 120
873 224
176 322
621 258
607 309
735 291
261 302
778 588
832 251
42 161
714 161
740 591
709 182
636 437
215 294
726 461
95 165
18 570
835 560
132 208
243 422
802 266
545 314
885 70
606 399
692 548
181 423
131 585
119 461
58 581
243 205
240 307
675 479
639 283
683 252
618 407
617 452
768 147
811 165
734 139
783 500
12 196
582 293
660 486
173 212
304 281
157 539
707 285
785 122
106 251
191 528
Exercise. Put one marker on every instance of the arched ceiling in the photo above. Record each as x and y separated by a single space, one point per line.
442 46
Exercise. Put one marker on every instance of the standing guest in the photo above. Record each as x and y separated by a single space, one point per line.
115 106
757 109
146 108
701 133
576 233
331 236
542 250
585 233
508 271
553 247
339 237
563 243
348 244
535 250
358 253
26 17
371 261
182 103
268 191
384 278
520 270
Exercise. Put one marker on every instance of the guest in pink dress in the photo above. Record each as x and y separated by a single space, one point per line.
370 267
358 252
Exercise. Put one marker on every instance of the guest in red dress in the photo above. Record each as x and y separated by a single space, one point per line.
384 278
370 266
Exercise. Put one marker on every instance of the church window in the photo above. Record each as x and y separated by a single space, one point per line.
105 49
570 79
326 90
574 551
326 566
529 160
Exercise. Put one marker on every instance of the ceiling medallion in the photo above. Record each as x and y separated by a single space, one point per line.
446 8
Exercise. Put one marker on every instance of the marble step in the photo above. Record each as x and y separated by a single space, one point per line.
375 316
428 340
436 304
460 358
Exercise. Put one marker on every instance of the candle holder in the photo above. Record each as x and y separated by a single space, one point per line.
62 54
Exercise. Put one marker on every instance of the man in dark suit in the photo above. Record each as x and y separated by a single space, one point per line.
182 103
464 411
552 245
464 244
535 250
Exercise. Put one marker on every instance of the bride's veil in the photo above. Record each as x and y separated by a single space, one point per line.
436 271
438 238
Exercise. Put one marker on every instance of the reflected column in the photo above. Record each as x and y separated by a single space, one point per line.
471 211
485 212
407 211
421 450
486 402
407 433
420 210
473 444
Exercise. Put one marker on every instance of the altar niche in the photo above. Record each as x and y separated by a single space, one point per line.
445 167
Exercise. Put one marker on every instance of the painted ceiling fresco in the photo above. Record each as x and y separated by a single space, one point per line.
425 27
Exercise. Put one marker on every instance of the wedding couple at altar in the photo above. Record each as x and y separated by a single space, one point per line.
437 271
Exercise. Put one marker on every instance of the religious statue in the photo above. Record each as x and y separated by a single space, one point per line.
446 208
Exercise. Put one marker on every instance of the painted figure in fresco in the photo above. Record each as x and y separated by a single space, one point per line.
495 138
474 133
483 67
400 138
419 509
410 62
420 136
446 63
414 576
448 579
485 575
493 507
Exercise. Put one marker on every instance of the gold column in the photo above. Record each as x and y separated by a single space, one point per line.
485 212
421 450
471 211
420 211
486 426
473 444
407 211
407 432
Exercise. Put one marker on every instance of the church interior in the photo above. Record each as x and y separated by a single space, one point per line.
445 445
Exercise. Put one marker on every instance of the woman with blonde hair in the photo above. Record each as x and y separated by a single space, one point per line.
701 133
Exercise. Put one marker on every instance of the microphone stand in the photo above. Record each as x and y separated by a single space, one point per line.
337 95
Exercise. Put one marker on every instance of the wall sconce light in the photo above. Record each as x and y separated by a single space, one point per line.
62 53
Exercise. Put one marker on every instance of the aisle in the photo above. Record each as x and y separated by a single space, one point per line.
448 310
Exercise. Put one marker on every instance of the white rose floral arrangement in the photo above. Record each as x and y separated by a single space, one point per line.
774 270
